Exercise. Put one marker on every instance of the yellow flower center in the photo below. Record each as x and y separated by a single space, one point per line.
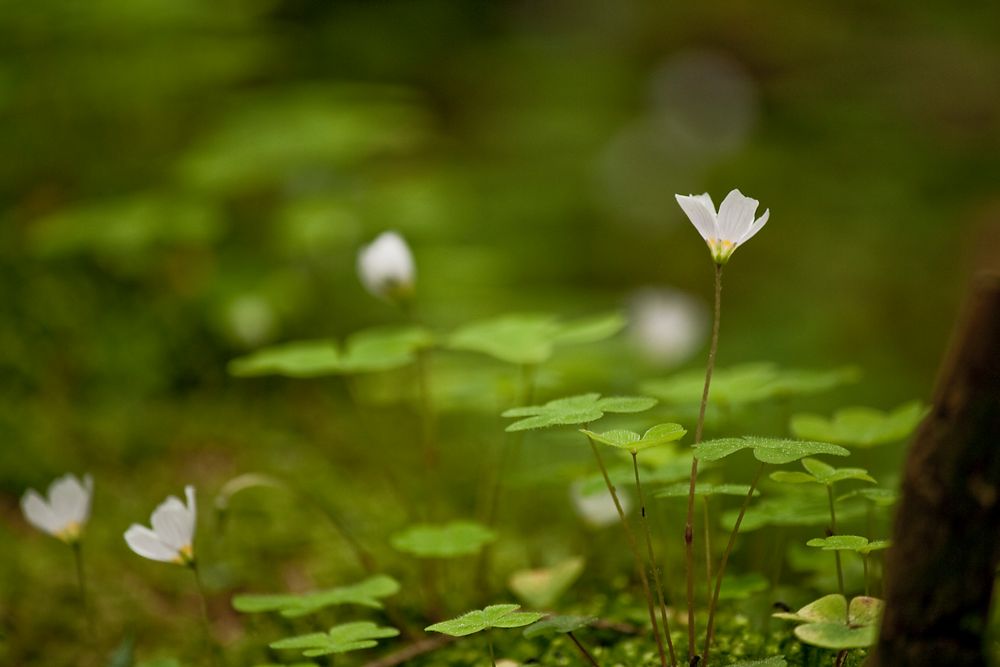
185 555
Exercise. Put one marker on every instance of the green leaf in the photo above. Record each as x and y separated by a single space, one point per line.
301 359
839 543
681 489
822 473
544 586
559 625
790 510
531 339
494 616
827 609
574 410
766 450
366 594
340 639
881 497
367 351
269 140
875 545
745 384
631 441
458 538
861 427
591 329
834 636
741 587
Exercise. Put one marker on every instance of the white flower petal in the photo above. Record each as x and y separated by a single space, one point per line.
69 500
757 226
173 524
700 210
38 513
145 542
736 215
386 265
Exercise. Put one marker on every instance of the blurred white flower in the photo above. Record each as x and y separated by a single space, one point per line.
598 509
726 230
386 267
172 538
666 325
65 512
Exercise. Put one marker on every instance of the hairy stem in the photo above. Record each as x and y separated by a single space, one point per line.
688 525
583 650
720 573
636 555
652 560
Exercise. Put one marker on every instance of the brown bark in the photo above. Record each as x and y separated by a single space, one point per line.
944 557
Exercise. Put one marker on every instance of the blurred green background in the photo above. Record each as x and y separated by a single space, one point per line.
185 181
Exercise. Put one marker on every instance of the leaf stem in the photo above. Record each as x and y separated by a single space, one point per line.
864 559
489 642
688 525
634 547
652 560
721 571
833 531
583 650
708 550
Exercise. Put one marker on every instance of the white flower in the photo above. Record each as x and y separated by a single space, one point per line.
598 509
66 511
666 325
386 267
172 538
726 230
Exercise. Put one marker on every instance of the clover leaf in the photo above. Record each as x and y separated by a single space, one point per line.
821 473
880 496
790 510
450 540
559 625
681 490
366 594
542 587
861 427
829 623
340 639
746 383
631 441
367 351
494 616
854 543
531 339
573 410
774 661
766 450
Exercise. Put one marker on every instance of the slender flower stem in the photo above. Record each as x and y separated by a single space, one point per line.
720 573
688 525
636 555
428 427
212 647
81 582
833 531
652 560
583 650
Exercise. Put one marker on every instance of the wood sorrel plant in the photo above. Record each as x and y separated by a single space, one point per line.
723 231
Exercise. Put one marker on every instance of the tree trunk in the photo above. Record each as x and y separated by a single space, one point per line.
941 566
